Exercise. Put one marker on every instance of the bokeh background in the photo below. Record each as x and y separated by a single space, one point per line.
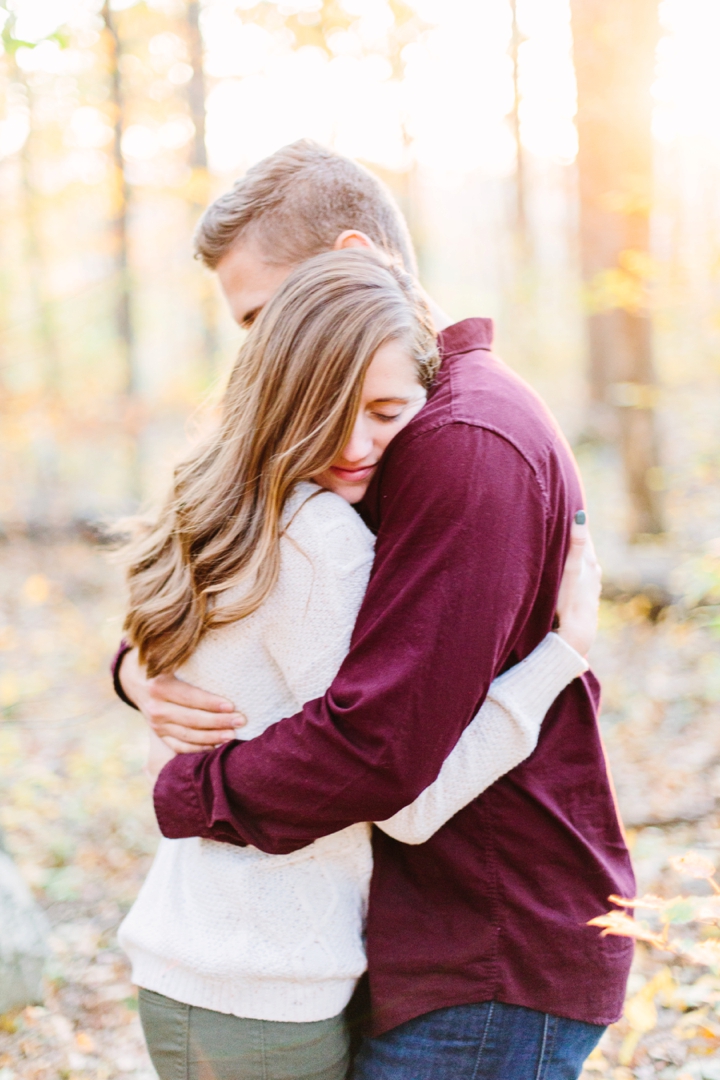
559 164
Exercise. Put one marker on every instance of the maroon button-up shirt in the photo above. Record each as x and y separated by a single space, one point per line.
472 506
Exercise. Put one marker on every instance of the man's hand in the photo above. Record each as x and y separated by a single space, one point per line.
579 595
186 718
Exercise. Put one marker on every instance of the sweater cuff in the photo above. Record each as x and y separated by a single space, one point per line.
115 666
534 683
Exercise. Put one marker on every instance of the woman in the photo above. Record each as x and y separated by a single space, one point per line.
249 585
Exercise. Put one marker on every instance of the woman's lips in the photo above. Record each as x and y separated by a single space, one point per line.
350 476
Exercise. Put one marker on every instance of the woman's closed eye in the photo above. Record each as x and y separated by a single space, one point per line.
390 409
386 418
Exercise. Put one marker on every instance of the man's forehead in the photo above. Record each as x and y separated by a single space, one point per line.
243 257
248 280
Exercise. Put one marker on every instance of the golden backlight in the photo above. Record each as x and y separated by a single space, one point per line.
448 112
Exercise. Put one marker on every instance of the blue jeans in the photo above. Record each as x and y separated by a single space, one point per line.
490 1041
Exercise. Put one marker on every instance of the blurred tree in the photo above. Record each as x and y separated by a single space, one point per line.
120 205
32 211
520 178
196 86
614 49
37 264
200 188
119 220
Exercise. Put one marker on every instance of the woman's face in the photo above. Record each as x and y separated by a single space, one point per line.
391 396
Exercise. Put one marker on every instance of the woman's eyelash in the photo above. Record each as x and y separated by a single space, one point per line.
385 417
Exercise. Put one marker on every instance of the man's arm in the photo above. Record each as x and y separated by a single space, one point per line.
503 734
458 564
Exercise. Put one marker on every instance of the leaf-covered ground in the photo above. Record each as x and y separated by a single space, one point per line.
75 808
76 814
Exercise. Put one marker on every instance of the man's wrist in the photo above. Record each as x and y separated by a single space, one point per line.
179 804
115 667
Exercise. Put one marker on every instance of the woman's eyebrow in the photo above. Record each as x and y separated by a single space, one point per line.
390 400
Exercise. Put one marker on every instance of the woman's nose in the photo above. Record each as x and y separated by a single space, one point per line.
358 446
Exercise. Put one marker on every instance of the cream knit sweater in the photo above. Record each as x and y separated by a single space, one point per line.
280 937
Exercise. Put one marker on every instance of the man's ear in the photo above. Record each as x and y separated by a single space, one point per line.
353 238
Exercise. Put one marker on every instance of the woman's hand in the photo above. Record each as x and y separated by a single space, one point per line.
159 753
189 719
579 595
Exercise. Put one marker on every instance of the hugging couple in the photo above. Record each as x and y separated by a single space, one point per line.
342 615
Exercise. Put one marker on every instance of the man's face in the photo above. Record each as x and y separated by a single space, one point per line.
248 281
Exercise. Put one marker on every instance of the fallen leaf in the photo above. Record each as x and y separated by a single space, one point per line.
693 865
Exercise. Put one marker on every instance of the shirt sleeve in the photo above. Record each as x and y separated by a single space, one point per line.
504 733
115 665
458 564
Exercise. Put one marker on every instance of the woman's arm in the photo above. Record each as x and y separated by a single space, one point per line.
325 559
506 729
503 733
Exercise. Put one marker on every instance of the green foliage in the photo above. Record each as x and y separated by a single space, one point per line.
11 43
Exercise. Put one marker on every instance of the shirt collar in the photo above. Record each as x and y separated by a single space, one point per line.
466 336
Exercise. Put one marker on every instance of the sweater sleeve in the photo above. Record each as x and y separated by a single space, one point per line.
325 559
503 733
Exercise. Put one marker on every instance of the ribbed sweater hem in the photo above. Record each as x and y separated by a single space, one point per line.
281 1000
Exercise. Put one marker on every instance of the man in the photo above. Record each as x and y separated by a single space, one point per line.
480 960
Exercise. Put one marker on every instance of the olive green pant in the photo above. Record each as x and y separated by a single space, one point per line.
188 1043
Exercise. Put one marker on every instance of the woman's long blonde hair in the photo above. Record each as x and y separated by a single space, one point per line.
287 412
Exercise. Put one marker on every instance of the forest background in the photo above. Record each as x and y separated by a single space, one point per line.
558 163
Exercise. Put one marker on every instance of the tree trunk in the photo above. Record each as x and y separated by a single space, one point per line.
34 254
123 287
45 504
614 48
521 226
199 163
196 86
121 200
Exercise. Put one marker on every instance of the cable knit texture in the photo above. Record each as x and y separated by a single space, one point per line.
280 937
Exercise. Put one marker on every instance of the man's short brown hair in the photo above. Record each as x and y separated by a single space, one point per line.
297 202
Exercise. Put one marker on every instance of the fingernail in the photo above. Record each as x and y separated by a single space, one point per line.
226 707
580 517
